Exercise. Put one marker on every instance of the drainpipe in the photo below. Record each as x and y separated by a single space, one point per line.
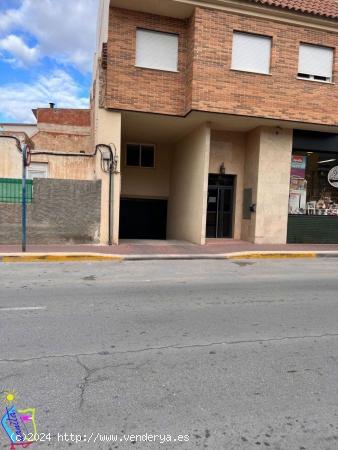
110 240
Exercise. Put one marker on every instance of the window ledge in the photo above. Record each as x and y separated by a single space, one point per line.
316 81
252 73
140 167
157 70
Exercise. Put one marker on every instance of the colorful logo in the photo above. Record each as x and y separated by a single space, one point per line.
19 424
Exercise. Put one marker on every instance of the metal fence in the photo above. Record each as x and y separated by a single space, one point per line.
11 190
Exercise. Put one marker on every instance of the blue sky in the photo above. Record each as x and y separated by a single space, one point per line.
46 53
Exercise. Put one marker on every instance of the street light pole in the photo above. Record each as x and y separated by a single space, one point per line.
24 205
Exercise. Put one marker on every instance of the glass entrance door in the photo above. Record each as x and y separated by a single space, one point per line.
220 206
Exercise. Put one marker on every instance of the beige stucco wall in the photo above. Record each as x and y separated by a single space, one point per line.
267 172
229 148
72 168
147 182
10 159
68 167
9 128
189 187
107 130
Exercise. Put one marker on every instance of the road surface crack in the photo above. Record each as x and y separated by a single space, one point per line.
83 386
90 372
168 347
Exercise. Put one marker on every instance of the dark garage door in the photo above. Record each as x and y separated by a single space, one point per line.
143 218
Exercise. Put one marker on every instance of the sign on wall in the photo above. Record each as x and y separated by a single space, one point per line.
298 166
298 185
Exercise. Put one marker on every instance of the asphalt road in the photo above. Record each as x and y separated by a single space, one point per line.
214 354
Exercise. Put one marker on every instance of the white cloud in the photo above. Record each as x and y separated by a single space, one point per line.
20 52
17 100
64 29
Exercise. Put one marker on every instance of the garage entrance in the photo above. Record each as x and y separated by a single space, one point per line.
143 218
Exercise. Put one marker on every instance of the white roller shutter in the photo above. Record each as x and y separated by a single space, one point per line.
315 60
37 170
251 53
156 50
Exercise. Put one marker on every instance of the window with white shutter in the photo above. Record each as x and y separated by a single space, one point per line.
251 53
315 62
156 50
37 170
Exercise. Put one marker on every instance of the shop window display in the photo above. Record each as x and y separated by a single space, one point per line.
314 183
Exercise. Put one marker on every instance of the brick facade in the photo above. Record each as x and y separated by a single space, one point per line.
279 95
133 88
62 116
205 81
62 142
63 130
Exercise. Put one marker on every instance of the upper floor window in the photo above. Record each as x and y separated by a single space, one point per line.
140 155
251 53
315 62
157 50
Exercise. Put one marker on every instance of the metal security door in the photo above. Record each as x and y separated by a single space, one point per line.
220 206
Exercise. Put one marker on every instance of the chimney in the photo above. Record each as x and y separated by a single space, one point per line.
51 105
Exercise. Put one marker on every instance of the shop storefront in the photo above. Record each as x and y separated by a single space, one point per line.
313 198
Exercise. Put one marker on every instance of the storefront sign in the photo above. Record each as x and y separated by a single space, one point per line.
298 166
333 177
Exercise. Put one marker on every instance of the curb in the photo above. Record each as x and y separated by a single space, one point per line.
274 255
70 257
88 257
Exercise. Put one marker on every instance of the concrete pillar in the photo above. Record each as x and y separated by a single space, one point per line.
267 173
108 131
189 187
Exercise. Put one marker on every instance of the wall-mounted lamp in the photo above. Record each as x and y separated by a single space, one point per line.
253 208
222 169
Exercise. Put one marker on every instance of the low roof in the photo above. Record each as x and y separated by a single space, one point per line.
327 9
323 8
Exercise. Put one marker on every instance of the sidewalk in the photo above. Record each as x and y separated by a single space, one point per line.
221 248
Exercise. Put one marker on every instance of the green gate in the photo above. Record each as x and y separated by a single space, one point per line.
11 190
